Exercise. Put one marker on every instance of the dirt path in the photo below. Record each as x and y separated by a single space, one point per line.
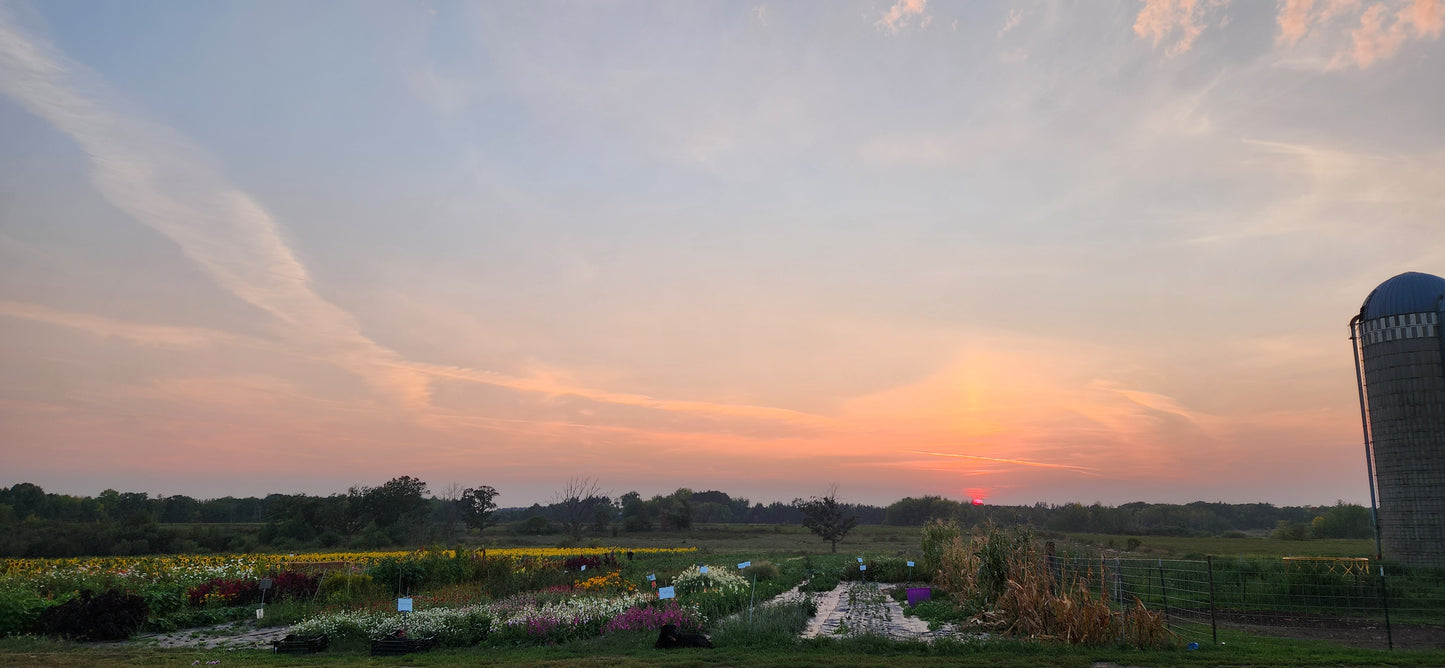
231 635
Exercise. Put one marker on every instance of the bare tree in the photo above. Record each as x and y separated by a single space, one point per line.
447 510
826 517
576 504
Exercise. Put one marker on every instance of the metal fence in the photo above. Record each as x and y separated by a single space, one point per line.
1352 601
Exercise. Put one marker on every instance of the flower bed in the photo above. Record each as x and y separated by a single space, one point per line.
525 618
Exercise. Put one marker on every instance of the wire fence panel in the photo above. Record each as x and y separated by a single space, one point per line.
1352 601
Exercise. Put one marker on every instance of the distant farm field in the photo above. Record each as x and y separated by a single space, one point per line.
1220 547
730 538
892 540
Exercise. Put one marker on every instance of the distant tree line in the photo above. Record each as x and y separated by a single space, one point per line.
404 512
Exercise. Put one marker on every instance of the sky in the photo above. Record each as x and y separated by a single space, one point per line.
1030 252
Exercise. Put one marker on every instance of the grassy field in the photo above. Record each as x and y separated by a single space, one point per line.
1182 546
884 540
738 538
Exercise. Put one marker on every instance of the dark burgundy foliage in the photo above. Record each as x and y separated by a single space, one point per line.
288 584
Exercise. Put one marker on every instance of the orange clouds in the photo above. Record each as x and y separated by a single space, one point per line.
1379 29
1167 18
1381 32
899 14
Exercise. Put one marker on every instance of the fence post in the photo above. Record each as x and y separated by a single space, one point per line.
1385 603
1213 627
1243 587
1164 591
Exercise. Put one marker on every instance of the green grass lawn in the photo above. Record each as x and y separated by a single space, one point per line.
635 649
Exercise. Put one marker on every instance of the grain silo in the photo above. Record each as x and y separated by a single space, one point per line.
1398 345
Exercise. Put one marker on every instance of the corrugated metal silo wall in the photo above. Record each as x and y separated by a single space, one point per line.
1405 387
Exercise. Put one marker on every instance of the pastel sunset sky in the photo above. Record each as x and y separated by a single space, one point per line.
1033 251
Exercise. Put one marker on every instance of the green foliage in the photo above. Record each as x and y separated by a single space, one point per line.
111 615
880 569
762 570
20 608
477 505
338 588
717 604
827 518
1343 521
535 525
938 535
938 612
1287 530
822 582
398 575
769 625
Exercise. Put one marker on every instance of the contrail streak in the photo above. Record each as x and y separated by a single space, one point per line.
1021 462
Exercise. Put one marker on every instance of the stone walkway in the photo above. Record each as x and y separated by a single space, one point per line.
864 608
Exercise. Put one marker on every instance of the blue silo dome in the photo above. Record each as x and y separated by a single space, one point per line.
1410 292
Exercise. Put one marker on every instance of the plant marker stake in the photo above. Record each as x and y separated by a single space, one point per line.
1385 601
1213 624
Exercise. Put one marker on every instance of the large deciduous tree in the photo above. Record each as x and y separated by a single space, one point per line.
400 498
476 505
826 517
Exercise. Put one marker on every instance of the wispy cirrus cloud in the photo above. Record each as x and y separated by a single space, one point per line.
161 180
1016 462
164 182
137 333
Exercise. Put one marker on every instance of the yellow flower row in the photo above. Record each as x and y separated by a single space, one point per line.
161 566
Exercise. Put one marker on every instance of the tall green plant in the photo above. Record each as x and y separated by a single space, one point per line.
938 535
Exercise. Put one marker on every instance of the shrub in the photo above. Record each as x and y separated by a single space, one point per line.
821 582
762 570
19 610
716 578
112 615
224 591
398 575
886 569
291 584
349 588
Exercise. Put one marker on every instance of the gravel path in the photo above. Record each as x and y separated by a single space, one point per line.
231 635
857 608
